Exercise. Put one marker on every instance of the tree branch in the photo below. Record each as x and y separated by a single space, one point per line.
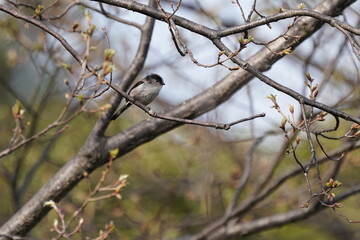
224 126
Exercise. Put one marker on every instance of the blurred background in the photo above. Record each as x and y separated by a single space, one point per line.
184 179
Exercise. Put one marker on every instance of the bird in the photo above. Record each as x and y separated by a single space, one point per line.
144 92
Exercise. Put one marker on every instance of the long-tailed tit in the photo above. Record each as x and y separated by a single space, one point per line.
144 92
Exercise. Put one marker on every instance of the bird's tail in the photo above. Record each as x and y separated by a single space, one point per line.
120 111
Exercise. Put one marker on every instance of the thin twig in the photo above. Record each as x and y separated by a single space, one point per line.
244 177
224 126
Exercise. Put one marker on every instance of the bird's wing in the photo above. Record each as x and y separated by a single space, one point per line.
136 85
